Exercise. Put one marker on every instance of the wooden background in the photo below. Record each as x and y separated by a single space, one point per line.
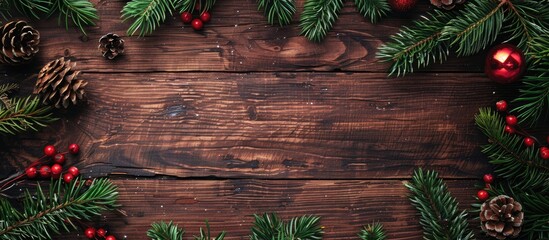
246 118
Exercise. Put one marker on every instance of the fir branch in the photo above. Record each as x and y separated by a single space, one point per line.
280 11
373 9
24 114
417 46
476 28
47 213
270 226
373 232
165 231
82 13
534 94
440 218
318 17
148 14
206 235
5 89
519 165
29 8
8 87
191 5
525 21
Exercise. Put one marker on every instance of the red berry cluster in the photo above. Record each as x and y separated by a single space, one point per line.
512 127
100 233
196 23
482 194
56 168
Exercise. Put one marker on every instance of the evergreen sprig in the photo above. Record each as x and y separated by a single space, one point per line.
29 8
278 11
373 9
191 5
24 114
318 17
170 231
147 14
521 166
5 89
81 12
373 231
205 234
53 211
271 227
534 94
440 217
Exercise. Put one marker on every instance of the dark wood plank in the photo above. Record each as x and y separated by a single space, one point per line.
272 125
237 39
228 205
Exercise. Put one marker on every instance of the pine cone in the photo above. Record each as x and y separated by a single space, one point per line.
446 4
58 84
501 217
19 42
111 45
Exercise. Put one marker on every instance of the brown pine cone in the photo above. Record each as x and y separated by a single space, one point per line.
111 45
501 217
58 84
446 4
19 42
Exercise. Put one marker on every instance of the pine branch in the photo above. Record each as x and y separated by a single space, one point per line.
525 21
270 226
165 231
520 165
205 235
476 28
5 89
318 17
8 87
191 5
280 11
373 232
440 218
373 9
534 94
417 46
82 13
24 114
148 14
50 212
29 8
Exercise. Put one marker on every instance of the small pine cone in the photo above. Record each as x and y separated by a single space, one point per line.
19 42
58 84
111 45
501 217
446 4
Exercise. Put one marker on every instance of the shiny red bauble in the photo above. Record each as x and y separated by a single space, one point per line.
50 151
402 5
110 237
511 120
59 158
67 177
488 178
45 172
186 17
31 172
197 24
56 169
74 148
528 141
205 17
90 233
74 171
483 195
505 64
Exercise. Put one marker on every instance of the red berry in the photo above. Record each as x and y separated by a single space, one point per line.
74 171
59 158
31 172
197 24
488 178
528 141
110 237
101 232
511 120
483 195
56 169
74 148
49 150
45 172
501 106
90 232
67 177
402 5
509 129
186 17
205 17
544 153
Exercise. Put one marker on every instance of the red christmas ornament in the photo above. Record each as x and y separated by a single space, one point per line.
205 17
49 151
110 237
505 64
197 24
74 148
74 171
90 233
544 153
501 106
488 178
56 169
101 232
509 129
186 17
59 158
45 171
528 141
67 177
483 195
511 120
31 172
402 5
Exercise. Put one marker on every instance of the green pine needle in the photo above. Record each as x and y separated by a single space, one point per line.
534 94
271 227
147 14
373 9
318 17
51 212
278 11
24 114
525 21
373 232
205 235
440 217
191 5
29 8
165 231
81 12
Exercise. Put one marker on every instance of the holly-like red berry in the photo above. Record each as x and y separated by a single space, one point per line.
74 148
528 141
67 177
197 24
90 232
45 171
483 195
509 129
101 232
186 17
544 153
501 105
56 169
511 120
205 17
50 151
488 178
59 158
110 237
31 172
74 171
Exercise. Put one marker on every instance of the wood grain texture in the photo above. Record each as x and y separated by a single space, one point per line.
273 125
345 206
